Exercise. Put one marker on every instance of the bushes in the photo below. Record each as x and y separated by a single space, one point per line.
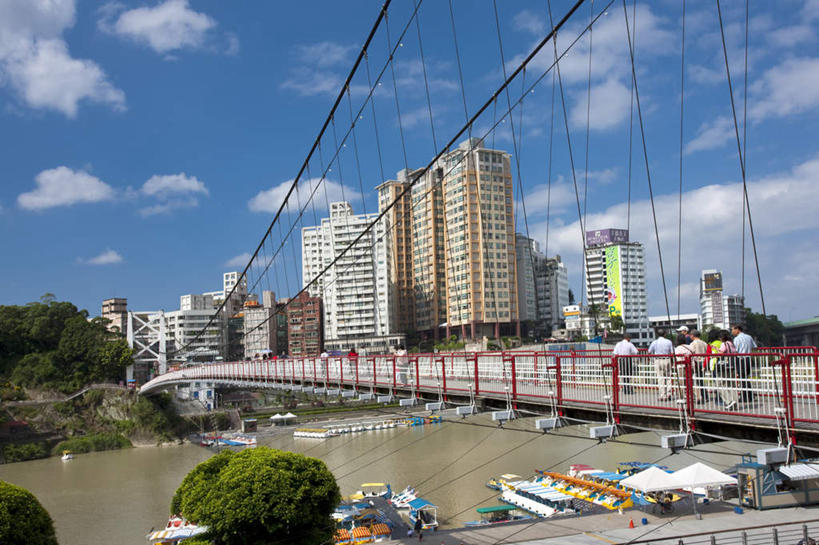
23 519
25 451
92 443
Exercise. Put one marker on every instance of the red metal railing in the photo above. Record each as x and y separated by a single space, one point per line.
764 385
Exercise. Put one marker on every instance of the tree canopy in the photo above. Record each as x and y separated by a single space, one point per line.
766 330
53 344
23 521
260 495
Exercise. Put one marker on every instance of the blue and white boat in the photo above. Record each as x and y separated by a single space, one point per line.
535 497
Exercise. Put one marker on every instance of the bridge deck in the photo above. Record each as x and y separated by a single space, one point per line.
764 389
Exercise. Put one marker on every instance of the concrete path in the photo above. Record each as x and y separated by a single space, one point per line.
614 528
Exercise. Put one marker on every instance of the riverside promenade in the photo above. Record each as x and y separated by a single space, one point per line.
718 519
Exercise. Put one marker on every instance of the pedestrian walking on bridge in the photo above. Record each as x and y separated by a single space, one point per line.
659 347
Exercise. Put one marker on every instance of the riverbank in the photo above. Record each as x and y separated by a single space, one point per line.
715 518
93 420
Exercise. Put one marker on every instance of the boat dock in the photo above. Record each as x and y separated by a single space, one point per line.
399 524
717 518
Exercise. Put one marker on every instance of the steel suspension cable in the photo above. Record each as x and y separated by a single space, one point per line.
741 158
645 157
679 218
745 141
588 116
351 73
517 146
631 115
466 127
585 270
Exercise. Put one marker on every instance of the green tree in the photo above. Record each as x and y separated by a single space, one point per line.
260 496
23 521
616 323
594 312
766 330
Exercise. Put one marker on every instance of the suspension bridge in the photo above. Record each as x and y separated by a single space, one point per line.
771 389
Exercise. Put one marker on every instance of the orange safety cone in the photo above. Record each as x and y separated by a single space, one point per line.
631 523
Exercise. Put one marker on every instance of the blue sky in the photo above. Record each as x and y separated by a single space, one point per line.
145 144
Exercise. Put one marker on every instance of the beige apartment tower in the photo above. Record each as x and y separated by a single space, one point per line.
463 243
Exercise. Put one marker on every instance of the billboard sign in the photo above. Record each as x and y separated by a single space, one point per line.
571 312
606 236
614 291
712 281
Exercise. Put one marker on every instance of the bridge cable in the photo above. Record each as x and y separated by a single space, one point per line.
741 158
350 75
744 142
645 157
462 130
517 145
631 115
679 218
581 221
588 124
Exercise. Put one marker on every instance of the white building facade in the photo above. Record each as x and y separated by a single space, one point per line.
355 290
260 326
615 281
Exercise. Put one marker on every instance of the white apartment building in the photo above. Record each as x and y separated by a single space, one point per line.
718 310
355 290
615 280
184 341
259 326
578 322
543 285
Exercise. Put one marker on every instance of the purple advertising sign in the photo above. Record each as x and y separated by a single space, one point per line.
606 236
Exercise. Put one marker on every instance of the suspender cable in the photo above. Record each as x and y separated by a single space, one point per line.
744 141
580 219
679 218
741 159
645 157
631 114
588 117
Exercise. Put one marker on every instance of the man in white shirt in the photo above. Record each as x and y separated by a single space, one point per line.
662 365
625 364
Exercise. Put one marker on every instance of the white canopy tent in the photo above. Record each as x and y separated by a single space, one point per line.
699 475
652 479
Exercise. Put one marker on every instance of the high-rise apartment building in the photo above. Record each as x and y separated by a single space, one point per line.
716 309
304 326
543 286
355 290
115 310
398 228
615 280
463 244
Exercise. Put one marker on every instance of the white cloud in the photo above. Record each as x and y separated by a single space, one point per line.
108 257
324 53
711 135
787 89
269 200
238 261
610 103
528 21
166 27
172 191
712 233
704 75
165 186
62 186
36 63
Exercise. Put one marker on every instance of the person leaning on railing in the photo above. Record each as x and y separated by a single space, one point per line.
745 345
662 365
726 370
699 365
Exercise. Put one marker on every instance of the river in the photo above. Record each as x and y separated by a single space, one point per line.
118 496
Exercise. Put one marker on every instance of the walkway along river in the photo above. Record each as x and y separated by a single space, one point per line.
117 496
